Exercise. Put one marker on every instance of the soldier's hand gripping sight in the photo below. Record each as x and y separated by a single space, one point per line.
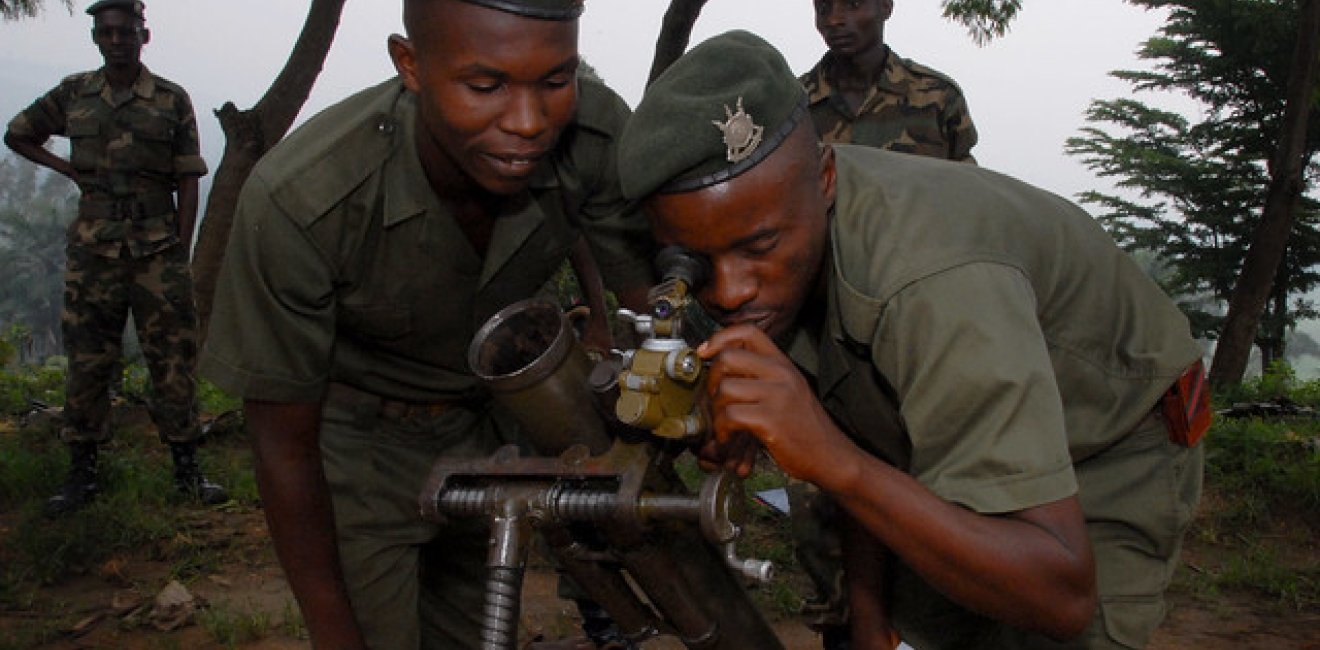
661 382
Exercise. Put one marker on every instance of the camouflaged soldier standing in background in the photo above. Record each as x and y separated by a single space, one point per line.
133 148
861 92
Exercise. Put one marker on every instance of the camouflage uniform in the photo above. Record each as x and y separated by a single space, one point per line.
130 148
910 109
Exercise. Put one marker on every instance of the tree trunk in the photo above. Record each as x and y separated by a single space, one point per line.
248 136
1252 291
674 34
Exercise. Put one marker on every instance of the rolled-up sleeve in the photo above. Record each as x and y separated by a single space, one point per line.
188 159
967 357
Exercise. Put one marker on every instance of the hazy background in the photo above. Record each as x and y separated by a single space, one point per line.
1027 91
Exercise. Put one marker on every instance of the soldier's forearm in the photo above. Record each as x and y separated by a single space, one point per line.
864 573
33 150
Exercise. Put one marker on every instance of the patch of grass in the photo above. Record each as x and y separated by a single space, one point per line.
20 387
291 621
138 510
1264 465
42 630
234 627
1264 479
1261 568
1256 567
211 399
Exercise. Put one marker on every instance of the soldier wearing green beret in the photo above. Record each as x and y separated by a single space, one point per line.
135 156
862 92
990 390
367 249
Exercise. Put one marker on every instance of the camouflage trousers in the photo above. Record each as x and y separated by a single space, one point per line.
99 293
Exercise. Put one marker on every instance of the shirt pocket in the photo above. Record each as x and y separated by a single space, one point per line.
154 146
84 135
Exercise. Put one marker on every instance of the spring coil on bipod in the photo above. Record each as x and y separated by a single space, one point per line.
499 624
566 503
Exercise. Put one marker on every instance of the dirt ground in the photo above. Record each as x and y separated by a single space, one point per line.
245 603
249 598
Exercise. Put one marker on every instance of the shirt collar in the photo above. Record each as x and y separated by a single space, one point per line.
144 86
820 86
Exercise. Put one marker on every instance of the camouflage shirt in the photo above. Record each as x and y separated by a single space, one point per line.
130 149
911 109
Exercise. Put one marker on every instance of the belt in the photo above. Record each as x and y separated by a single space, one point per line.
151 204
391 409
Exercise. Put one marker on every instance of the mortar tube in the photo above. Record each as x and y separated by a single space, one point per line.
530 359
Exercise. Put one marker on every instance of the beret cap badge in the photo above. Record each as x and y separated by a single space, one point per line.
741 134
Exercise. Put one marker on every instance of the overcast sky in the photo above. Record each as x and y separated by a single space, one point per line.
1027 91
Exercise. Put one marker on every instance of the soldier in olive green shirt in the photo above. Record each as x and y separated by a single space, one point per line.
367 249
965 363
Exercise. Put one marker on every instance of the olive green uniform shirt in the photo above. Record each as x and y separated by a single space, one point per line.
1011 333
130 149
910 108
995 344
344 266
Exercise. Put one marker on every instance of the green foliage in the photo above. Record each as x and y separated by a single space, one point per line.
23 386
1278 383
1200 186
20 9
210 399
35 209
1268 467
984 19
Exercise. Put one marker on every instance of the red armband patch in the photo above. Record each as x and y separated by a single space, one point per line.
1186 407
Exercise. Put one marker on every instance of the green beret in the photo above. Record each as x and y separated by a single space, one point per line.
134 7
544 9
715 113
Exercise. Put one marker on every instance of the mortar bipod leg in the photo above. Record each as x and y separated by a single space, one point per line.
605 585
506 564
654 570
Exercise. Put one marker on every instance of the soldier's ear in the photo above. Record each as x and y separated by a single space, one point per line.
146 35
404 56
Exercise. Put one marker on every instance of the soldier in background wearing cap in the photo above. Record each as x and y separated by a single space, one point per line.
861 92
368 247
965 363
135 156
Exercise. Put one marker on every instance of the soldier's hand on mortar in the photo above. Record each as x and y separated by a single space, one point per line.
755 390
